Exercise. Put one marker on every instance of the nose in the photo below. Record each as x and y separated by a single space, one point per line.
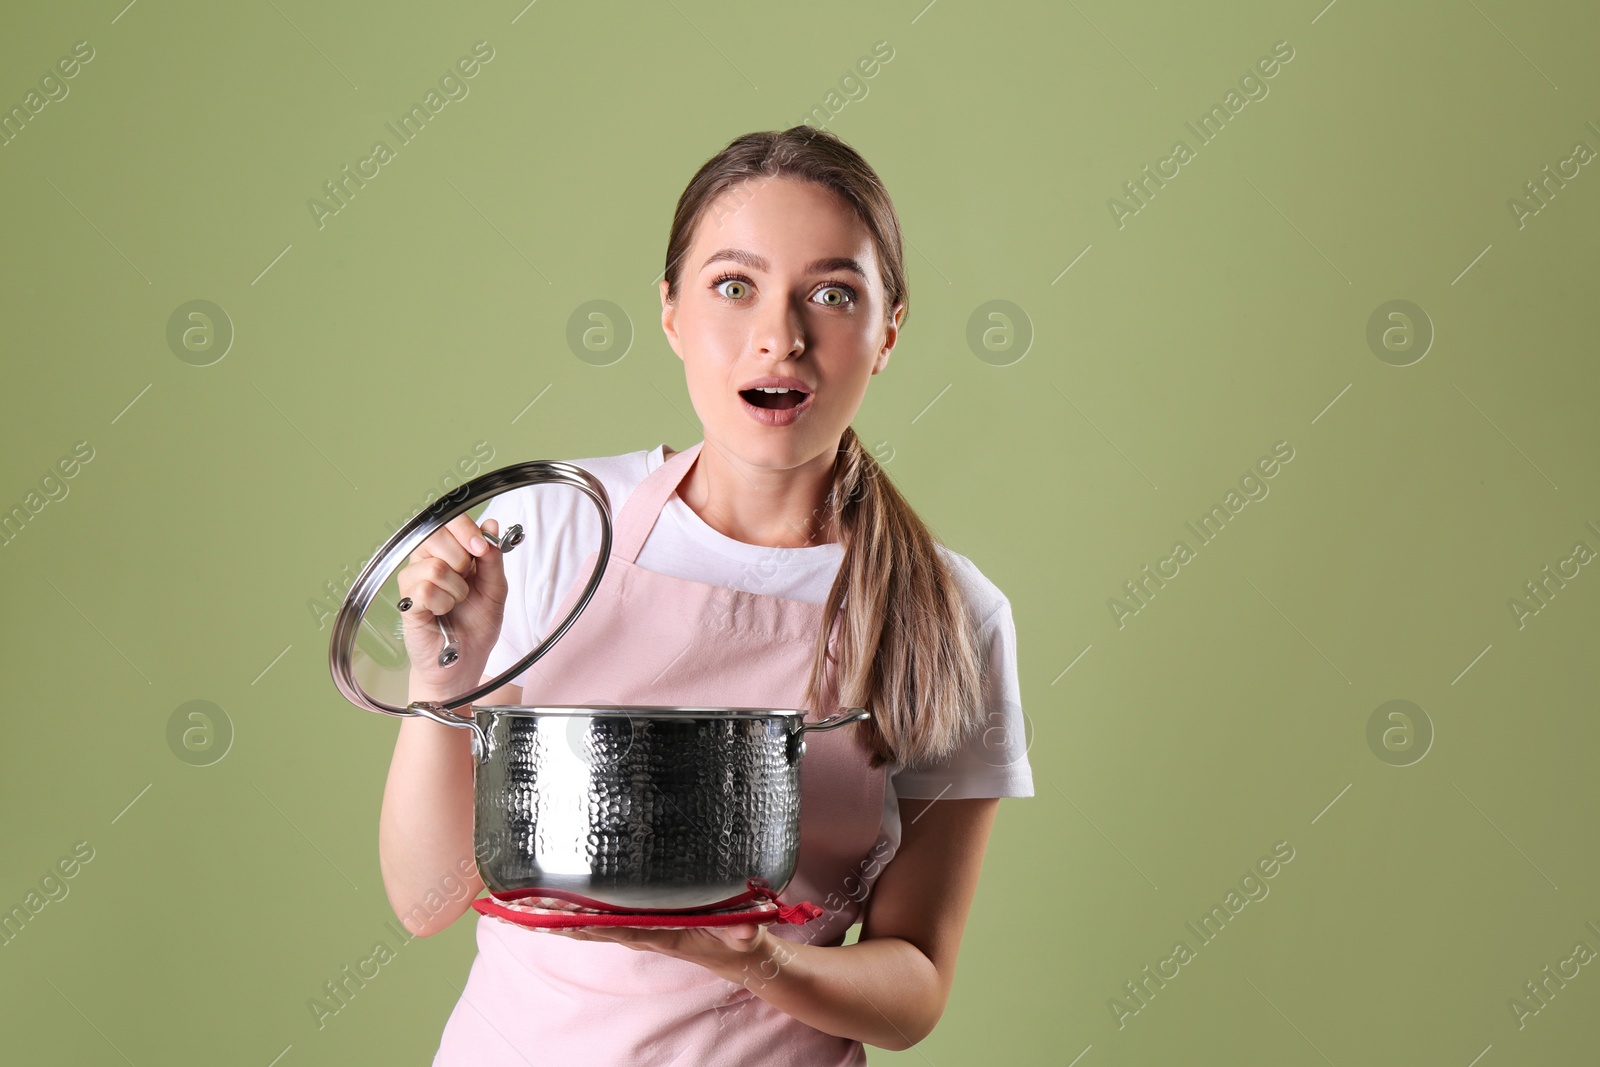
780 332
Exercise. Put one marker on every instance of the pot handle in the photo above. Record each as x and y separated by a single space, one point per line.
440 714
797 741
844 718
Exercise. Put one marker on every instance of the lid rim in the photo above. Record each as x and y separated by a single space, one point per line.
419 528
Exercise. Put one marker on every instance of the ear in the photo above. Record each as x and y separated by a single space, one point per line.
891 335
669 323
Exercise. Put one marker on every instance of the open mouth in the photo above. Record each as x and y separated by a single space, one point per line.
778 399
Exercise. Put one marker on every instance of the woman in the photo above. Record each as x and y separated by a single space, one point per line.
773 564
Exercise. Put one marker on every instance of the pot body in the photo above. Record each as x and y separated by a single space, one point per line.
637 809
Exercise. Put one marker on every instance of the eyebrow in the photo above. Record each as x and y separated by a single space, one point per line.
755 262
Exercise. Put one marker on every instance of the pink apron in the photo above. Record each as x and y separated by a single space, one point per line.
534 998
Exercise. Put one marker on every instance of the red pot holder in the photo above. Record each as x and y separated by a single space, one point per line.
533 910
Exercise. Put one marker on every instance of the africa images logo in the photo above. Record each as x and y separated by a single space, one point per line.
454 87
1253 888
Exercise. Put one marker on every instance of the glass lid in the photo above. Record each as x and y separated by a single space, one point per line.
428 615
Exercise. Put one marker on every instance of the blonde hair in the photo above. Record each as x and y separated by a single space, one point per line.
906 641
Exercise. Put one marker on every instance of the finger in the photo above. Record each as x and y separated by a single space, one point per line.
478 545
490 578
427 599
467 535
440 574
446 543
475 542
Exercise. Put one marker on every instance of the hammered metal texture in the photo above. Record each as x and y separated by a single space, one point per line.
636 813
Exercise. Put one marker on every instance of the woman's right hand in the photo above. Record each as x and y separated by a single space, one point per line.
455 572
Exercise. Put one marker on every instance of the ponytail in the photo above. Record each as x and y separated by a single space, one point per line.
906 644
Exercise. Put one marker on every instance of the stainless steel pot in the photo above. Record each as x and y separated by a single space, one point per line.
636 808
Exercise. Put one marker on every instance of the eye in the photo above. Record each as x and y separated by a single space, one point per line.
742 284
845 294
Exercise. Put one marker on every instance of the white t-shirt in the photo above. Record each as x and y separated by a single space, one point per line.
565 527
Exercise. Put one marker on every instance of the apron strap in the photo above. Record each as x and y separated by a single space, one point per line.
644 504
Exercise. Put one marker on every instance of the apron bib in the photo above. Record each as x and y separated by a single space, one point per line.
649 638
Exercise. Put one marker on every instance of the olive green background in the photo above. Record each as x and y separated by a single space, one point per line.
1116 402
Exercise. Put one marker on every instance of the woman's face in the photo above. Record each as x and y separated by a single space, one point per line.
782 281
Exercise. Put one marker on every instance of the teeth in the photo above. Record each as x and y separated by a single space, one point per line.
767 389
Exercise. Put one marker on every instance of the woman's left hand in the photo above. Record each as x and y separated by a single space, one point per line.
723 949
